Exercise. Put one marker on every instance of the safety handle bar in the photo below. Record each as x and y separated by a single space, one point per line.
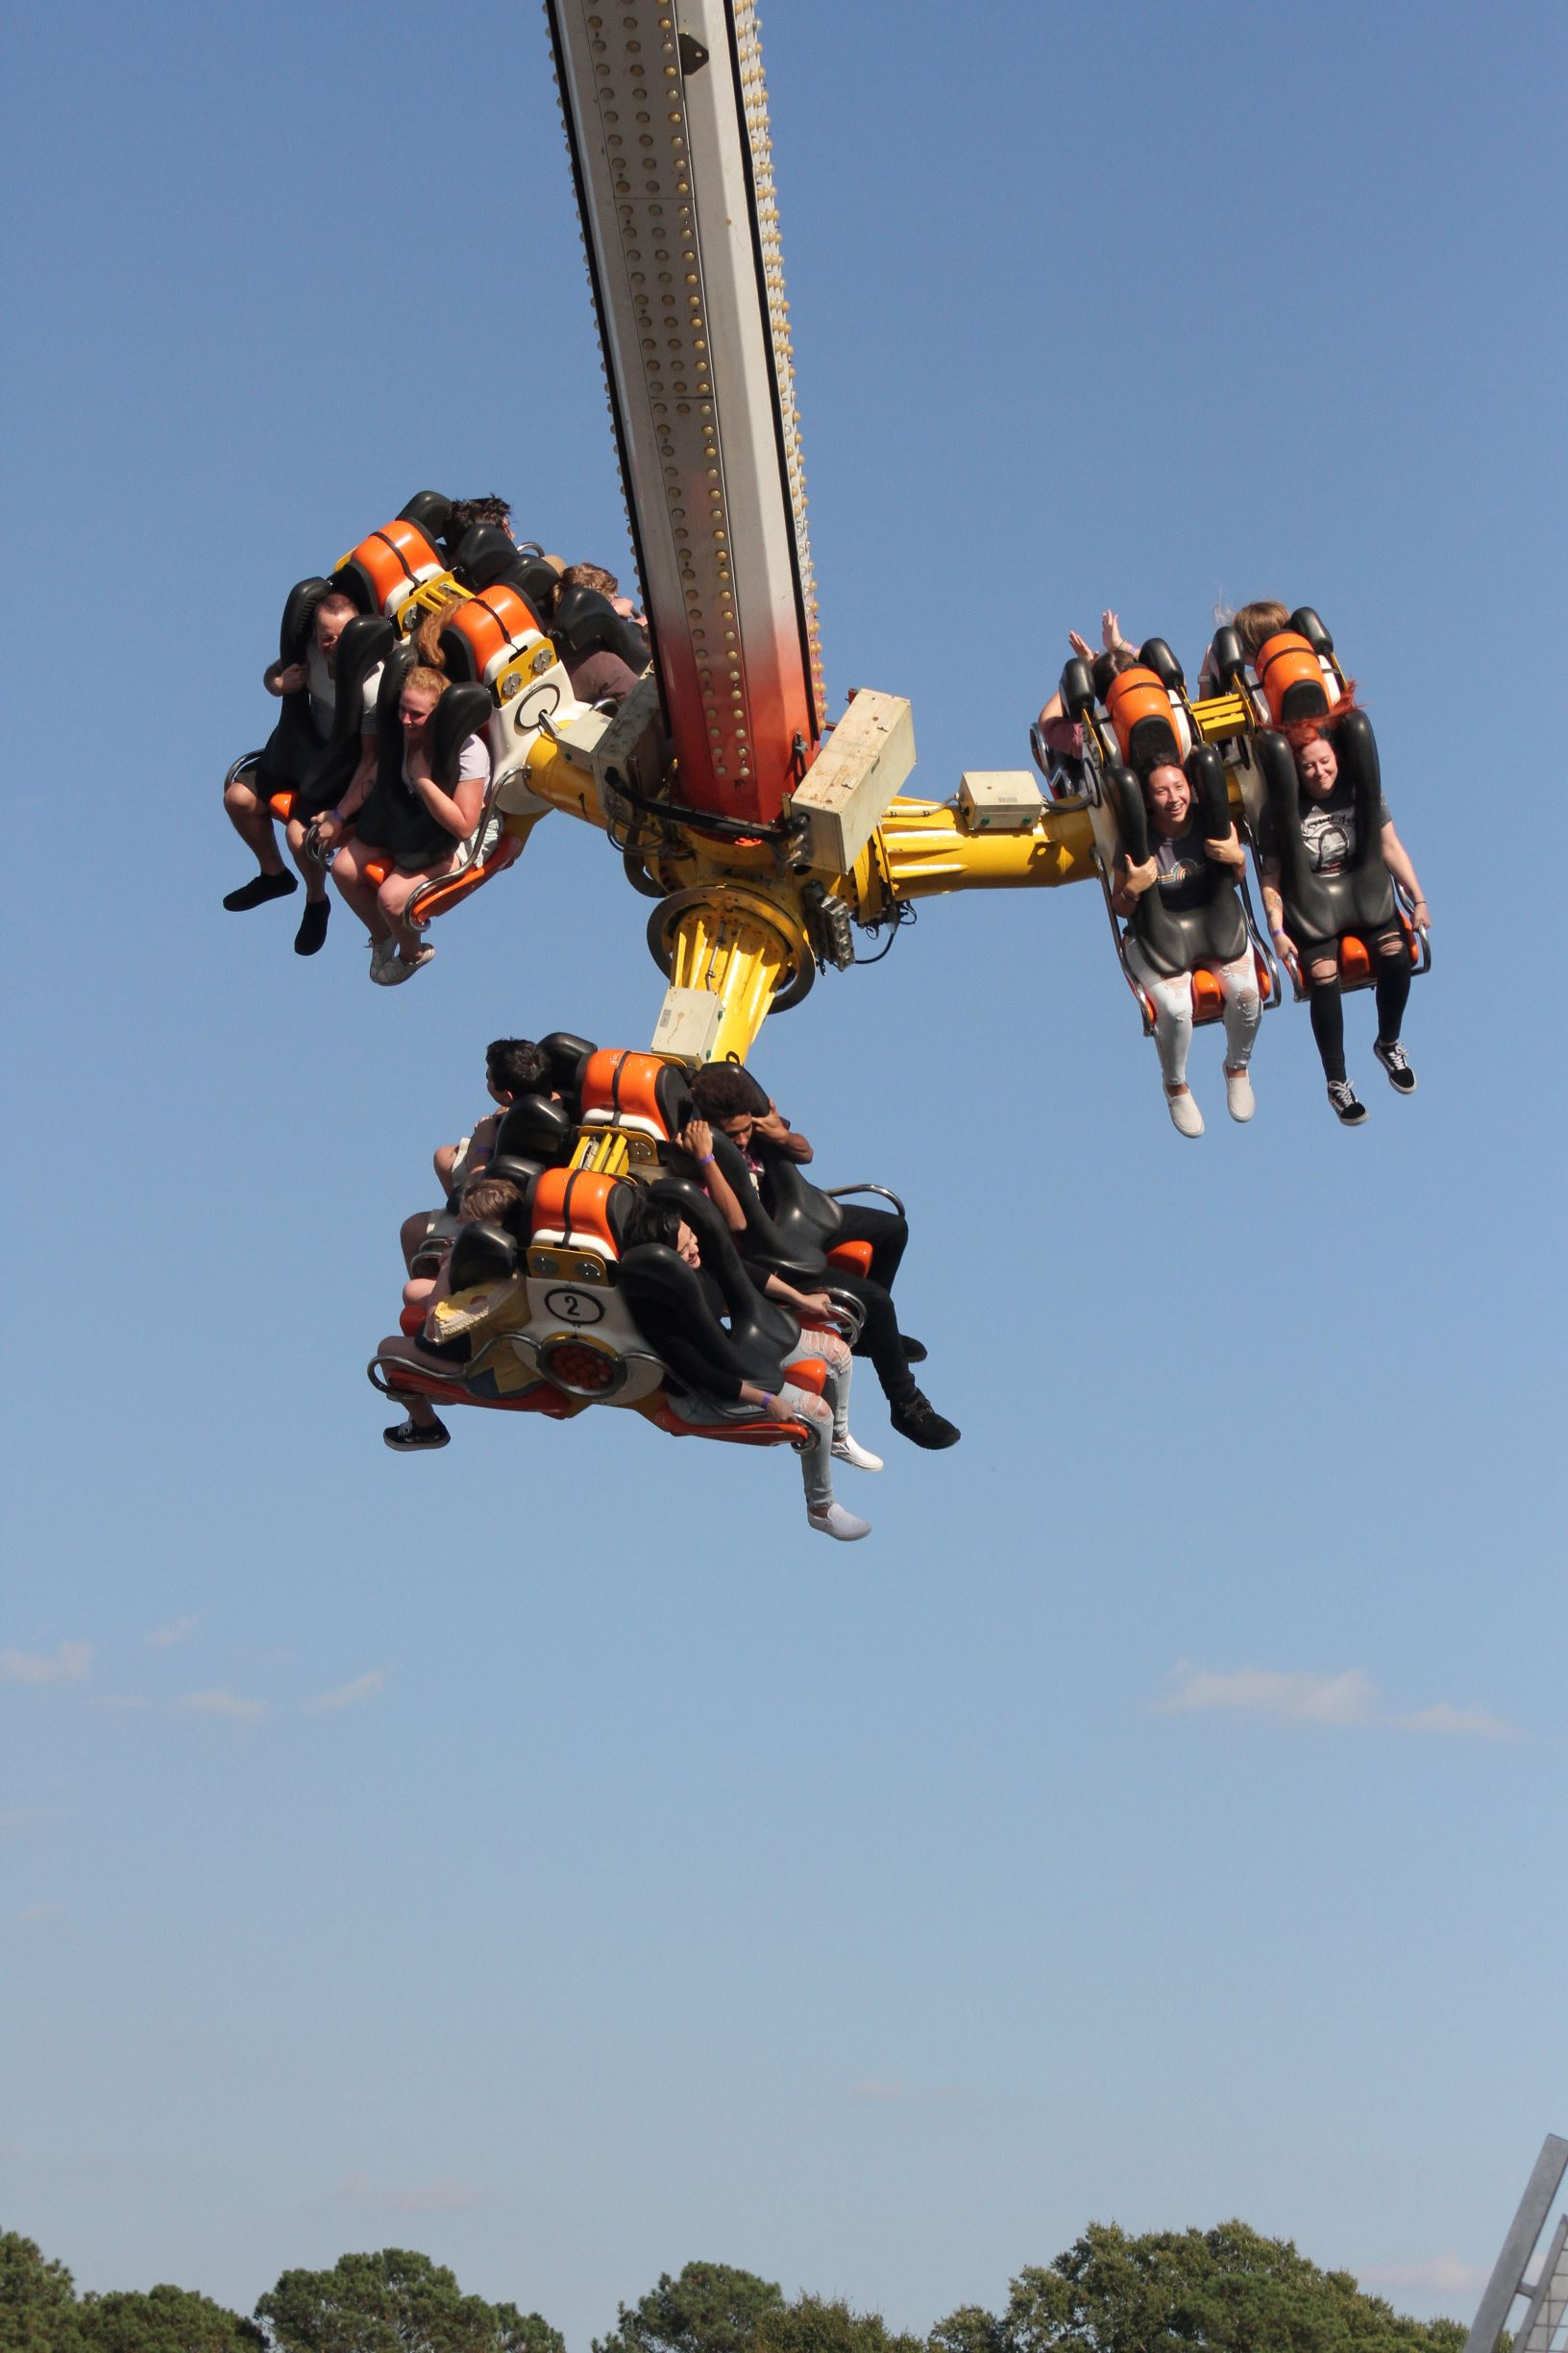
840 1192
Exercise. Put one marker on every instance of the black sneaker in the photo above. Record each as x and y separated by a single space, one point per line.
257 890
1342 1095
917 1419
312 931
409 1438
915 1351
1391 1054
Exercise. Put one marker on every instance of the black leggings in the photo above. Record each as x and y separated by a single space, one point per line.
884 1229
1328 1010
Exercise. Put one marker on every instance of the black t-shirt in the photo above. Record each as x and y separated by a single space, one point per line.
1329 830
1184 878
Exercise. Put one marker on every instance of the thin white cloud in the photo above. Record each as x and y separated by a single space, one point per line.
1459 1722
448 2196
349 1695
31 1913
1347 1700
178 1629
70 1663
230 1704
1441 2275
871 2088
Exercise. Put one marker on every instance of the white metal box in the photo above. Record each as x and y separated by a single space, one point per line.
852 779
999 800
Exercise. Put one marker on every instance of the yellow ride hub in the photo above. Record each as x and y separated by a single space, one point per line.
732 954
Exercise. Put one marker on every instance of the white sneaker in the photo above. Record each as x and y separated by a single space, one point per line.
1184 1115
382 952
1240 1100
835 1521
861 1457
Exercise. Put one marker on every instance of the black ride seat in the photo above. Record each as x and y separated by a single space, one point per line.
585 622
481 1252
1214 930
534 1135
488 557
568 1058
761 1339
1321 908
364 642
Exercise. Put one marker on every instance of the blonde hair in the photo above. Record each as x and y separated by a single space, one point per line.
427 635
432 681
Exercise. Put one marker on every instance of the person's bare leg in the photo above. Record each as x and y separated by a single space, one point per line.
313 872
414 947
359 893
253 820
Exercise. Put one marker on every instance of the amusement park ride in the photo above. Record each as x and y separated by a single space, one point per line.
766 833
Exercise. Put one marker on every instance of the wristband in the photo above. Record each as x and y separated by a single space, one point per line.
771 1402
704 1160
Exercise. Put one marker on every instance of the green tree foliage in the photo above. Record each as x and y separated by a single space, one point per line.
711 2308
394 2302
812 2324
1223 2290
38 2300
163 2320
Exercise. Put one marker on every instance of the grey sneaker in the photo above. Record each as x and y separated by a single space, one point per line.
835 1521
1342 1095
1392 1056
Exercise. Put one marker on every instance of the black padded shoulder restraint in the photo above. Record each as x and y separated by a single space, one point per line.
1175 939
1323 907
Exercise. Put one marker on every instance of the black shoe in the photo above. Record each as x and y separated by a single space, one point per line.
312 930
409 1438
1342 1095
257 890
915 1351
1392 1056
917 1419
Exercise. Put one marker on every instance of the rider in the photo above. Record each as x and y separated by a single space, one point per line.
1179 870
497 1200
513 1067
723 1094
308 692
1254 625
1064 736
706 1393
415 823
1332 755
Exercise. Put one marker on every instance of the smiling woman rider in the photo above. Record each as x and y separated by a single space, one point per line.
413 822
1181 911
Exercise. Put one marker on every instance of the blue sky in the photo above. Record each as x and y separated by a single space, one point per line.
548 1855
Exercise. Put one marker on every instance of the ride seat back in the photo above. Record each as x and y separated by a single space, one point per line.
383 571
1149 718
640 1092
429 512
568 1054
1297 681
577 1223
480 1253
585 622
496 639
298 614
533 1128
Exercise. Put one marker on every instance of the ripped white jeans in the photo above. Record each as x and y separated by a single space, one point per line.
1172 994
827 1417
